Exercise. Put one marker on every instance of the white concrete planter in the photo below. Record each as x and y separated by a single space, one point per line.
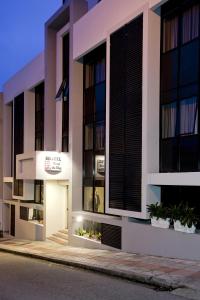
182 228
161 223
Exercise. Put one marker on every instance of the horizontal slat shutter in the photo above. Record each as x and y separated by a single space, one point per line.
117 100
133 115
126 117
111 235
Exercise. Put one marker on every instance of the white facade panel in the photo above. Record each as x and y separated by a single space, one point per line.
25 79
43 165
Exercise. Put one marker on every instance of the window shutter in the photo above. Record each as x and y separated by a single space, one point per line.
111 235
126 117
117 119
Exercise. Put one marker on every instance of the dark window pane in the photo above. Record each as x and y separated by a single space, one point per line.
65 125
100 136
169 155
65 144
20 186
189 63
89 137
38 195
88 164
189 116
88 198
39 117
169 112
100 71
100 101
89 104
24 213
93 130
189 146
190 24
99 199
170 34
169 71
89 75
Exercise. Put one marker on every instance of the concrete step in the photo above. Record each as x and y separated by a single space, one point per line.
65 231
61 235
58 240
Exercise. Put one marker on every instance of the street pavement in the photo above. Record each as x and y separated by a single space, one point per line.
180 276
25 278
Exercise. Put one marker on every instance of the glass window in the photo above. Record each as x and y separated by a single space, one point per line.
24 213
94 130
100 97
169 112
39 117
38 191
89 75
100 71
189 116
88 198
170 34
65 125
190 24
88 164
89 137
99 167
100 136
99 199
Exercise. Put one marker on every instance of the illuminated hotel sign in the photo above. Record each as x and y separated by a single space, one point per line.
52 164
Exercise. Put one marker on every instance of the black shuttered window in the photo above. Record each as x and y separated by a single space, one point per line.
126 117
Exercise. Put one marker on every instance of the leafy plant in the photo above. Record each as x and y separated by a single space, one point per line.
80 231
90 234
185 214
188 216
158 211
98 236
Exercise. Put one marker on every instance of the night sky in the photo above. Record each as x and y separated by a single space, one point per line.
22 32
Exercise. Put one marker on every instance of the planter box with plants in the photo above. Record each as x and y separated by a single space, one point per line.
159 215
182 216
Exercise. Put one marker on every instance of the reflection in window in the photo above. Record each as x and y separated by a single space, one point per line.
100 100
100 71
88 164
190 24
169 120
99 167
189 116
100 136
170 34
38 194
99 200
89 75
89 137
88 198
31 214
39 117
94 129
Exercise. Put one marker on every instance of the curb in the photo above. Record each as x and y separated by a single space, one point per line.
148 279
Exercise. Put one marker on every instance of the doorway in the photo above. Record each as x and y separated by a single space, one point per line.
12 220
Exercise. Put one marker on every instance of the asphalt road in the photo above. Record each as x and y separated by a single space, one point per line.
26 279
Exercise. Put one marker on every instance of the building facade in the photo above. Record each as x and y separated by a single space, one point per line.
104 123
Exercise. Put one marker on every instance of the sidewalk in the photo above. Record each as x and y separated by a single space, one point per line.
183 276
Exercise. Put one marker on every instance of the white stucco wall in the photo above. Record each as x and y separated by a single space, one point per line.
25 79
92 29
